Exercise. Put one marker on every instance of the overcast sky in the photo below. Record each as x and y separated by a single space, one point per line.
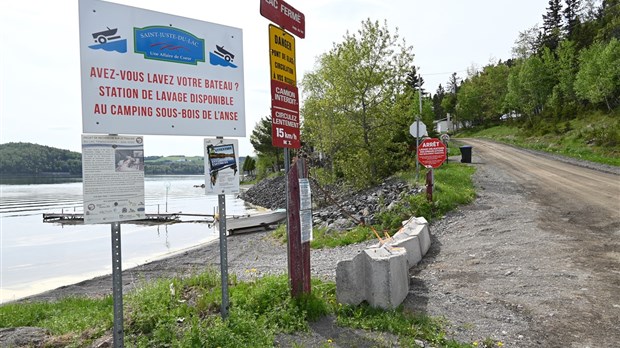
40 99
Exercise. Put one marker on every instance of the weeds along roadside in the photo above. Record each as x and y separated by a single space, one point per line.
184 312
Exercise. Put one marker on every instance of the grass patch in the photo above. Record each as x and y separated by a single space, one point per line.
185 313
71 317
594 137
406 326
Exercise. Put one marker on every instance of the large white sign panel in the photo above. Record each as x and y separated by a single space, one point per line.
113 178
145 72
221 166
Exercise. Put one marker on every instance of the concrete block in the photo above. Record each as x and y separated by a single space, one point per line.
380 274
376 275
419 227
389 277
351 280
411 244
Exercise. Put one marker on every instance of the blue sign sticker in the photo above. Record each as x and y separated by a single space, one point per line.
222 57
109 41
169 44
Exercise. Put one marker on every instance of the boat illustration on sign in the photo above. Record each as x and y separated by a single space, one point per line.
103 36
224 53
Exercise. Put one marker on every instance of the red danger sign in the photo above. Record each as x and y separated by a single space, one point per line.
431 152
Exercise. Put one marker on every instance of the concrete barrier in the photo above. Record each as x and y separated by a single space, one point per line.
380 274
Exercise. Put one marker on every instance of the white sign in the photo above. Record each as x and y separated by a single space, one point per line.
113 178
221 166
445 138
305 210
306 225
145 72
415 126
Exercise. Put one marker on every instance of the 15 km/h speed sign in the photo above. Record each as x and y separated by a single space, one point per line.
432 152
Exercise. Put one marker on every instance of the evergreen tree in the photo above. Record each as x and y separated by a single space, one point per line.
261 140
249 165
449 101
571 17
552 25
438 110
413 79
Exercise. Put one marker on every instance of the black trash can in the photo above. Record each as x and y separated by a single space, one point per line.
465 153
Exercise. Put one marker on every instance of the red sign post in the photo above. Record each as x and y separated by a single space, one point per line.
285 132
284 15
432 152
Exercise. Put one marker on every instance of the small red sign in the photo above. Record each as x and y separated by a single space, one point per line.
285 16
432 152
284 115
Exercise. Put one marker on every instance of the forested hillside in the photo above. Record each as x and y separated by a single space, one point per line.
36 160
173 165
567 68
33 159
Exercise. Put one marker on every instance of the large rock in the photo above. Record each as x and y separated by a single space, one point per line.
333 206
22 337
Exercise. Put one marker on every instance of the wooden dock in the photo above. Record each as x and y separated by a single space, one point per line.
79 217
234 224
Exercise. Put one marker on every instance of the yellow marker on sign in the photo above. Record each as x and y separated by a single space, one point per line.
282 56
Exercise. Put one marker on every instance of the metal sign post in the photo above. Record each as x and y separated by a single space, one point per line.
117 285
223 255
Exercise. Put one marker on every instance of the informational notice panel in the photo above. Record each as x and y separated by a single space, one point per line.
113 178
305 209
221 166
145 72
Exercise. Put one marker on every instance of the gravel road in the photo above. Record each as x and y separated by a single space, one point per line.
533 262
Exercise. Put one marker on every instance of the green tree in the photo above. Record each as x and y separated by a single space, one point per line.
438 109
571 17
249 165
530 83
563 100
552 25
598 79
449 101
609 21
269 156
352 107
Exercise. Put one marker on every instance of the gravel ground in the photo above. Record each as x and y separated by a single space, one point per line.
496 269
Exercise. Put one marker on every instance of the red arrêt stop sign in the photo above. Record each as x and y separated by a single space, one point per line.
432 152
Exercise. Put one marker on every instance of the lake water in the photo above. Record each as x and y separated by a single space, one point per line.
37 256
